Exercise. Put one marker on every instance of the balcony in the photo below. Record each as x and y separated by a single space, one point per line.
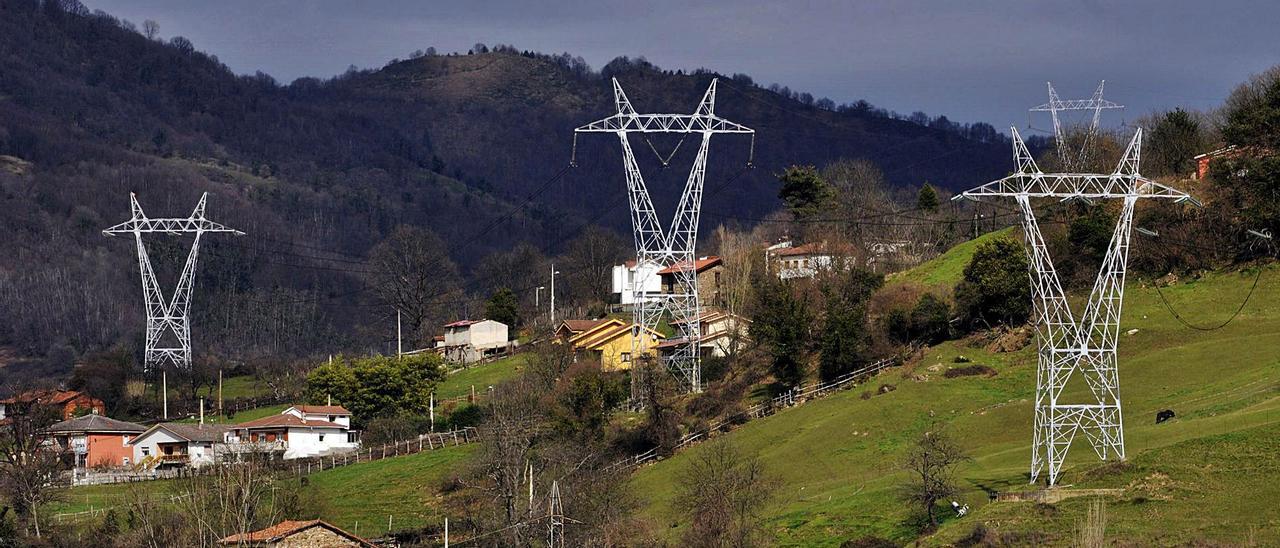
174 458
237 446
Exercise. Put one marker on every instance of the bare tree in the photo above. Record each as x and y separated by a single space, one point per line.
506 454
233 498
150 29
29 469
588 265
932 463
725 492
412 273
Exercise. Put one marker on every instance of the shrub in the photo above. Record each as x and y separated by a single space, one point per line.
994 289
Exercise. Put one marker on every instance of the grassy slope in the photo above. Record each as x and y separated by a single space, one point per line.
403 487
365 494
837 458
481 376
947 269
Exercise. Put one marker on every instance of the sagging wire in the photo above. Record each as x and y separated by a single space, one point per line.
1262 235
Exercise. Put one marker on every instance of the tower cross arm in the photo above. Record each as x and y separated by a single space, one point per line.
169 226
663 123
1075 185
1076 104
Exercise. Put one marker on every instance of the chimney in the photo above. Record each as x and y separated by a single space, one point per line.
328 399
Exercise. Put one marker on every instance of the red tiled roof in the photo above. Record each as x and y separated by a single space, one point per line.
48 397
285 420
462 323
699 265
280 531
323 409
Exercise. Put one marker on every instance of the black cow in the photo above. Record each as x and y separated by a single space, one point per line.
1164 416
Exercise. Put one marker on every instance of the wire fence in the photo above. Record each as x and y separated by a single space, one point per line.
424 442
795 396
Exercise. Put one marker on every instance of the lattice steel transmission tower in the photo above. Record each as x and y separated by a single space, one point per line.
168 323
1084 348
555 517
673 247
1075 160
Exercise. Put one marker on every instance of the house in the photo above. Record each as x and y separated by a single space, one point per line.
469 341
790 261
97 441
708 271
69 402
569 328
610 343
1204 160
722 333
311 533
178 444
630 276
298 432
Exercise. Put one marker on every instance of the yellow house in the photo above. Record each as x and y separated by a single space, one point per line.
610 343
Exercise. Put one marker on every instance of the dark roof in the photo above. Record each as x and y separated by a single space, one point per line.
96 423
284 529
699 265
323 409
462 323
579 326
192 432
286 420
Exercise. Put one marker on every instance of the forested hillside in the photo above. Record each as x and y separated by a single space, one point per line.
319 171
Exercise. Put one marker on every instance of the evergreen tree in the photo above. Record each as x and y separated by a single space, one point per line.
927 200
781 322
845 338
804 191
503 307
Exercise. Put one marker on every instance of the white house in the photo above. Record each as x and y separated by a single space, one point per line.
175 444
468 341
298 432
789 261
630 276
722 333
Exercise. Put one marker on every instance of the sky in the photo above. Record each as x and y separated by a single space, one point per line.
968 60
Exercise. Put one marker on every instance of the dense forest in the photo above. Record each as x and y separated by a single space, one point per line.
472 147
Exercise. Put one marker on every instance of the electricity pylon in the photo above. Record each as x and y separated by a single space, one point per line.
1077 159
1068 347
671 248
555 517
168 323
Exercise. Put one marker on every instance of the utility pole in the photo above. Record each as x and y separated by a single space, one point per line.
671 247
1084 349
432 409
553 293
399 341
220 411
164 389
168 323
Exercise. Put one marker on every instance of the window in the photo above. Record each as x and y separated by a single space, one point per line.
321 438
333 418
626 357
126 440
125 461
146 451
